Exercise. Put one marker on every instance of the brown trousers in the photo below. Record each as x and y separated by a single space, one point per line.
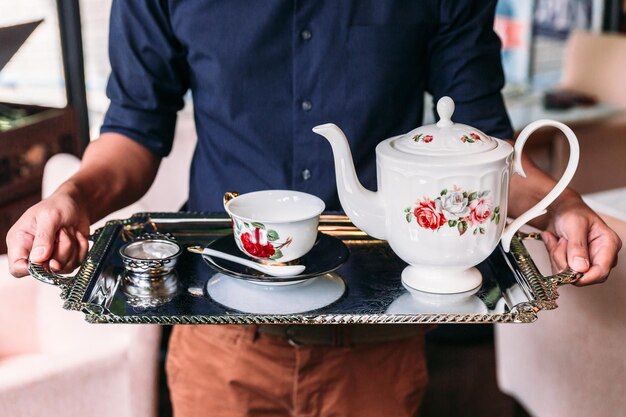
224 371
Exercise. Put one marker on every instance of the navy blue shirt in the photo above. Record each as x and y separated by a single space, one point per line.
263 73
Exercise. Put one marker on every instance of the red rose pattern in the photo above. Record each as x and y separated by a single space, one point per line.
478 209
420 137
427 215
255 248
471 138
257 241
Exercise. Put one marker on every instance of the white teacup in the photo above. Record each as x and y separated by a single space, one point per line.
274 225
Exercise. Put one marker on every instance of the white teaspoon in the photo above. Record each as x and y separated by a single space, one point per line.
273 270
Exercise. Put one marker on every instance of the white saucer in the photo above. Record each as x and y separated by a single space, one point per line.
248 297
418 302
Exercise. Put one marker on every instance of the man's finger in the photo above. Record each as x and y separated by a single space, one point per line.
83 246
19 268
557 248
596 275
19 243
79 252
549 239
603 258
64 251
43 244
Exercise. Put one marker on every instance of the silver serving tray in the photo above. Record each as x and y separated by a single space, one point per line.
513 290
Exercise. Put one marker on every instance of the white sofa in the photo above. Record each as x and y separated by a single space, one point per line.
53 363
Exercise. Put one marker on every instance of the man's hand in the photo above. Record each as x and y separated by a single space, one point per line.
577 237
52 231
115 171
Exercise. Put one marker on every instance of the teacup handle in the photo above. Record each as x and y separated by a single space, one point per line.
229 195
540 208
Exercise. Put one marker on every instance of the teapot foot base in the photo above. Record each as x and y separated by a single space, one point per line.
441 280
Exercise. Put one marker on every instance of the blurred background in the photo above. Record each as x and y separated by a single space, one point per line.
563 59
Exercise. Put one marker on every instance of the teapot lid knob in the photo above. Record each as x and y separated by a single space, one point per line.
444 138
445 108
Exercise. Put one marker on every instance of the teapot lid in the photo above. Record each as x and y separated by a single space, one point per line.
444 137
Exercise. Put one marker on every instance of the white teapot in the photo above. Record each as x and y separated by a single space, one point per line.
442 196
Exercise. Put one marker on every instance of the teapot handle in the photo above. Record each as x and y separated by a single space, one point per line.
540 208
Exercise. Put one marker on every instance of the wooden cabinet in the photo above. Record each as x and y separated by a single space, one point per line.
24 150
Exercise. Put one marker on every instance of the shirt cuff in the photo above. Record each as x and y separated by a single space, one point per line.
154 130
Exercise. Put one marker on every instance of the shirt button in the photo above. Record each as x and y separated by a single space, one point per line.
306 35
306 174
307 105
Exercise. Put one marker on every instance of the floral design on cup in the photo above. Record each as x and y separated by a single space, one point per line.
420 137
471 138
256 240
455 208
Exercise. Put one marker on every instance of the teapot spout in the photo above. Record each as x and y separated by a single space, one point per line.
364 207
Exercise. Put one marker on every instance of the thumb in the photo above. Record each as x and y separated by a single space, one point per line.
578 252
43 244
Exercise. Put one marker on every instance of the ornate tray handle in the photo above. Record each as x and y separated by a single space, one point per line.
566 276
77 283
44 274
